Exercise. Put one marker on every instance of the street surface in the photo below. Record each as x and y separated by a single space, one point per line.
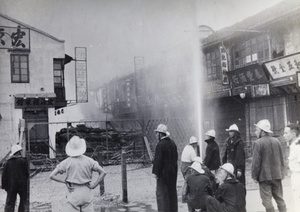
49 196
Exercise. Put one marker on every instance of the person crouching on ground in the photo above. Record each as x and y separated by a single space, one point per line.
198 188
188 155
78 169
15 177
231 194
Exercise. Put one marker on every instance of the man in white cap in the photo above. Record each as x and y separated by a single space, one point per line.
234 153
268 166
291 135
15 178
231 194
188 155
165 170
212 152
78 171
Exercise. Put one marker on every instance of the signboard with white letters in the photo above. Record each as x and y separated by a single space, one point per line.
284 66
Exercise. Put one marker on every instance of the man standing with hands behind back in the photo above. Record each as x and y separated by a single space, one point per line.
268 166
165 170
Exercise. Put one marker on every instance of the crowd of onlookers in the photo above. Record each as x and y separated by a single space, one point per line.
211 184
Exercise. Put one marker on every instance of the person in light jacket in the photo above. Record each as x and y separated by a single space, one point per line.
291 135
268 166
188 155
76 172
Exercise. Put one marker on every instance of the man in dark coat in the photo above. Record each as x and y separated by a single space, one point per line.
15 180
235 153
268 166
165 170
231 194
212 153
198 188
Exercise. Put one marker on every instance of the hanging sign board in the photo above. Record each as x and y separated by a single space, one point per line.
260 90
284 66
224 66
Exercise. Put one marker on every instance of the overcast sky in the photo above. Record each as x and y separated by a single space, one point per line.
115 31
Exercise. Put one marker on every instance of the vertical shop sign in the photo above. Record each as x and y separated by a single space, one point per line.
81 74
224 65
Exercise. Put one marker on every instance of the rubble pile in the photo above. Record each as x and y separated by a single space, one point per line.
105 145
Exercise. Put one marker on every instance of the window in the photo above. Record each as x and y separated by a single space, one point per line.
58 73
19 68
251 51
213 64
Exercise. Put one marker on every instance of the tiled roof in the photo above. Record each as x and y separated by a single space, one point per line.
270 15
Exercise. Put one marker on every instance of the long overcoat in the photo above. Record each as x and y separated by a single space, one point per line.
165 168
235 154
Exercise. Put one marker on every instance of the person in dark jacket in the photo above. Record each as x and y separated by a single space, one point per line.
235 153
198 188
165 170
268 167
212 152
15 180
231 194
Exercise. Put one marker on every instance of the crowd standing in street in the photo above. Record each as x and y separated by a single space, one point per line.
165 170
15 178
198 188
212 152
291 135
235 154
230 195
268 166
76 172
188 155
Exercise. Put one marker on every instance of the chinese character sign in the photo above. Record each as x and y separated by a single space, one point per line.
81 75
34 102
224 65
14 37
284 67
249 75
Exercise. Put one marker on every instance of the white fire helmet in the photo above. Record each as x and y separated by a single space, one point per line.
211 133
264 125
228 167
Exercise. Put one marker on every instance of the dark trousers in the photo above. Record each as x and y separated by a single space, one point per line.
269 189
213 205
21 189
166 196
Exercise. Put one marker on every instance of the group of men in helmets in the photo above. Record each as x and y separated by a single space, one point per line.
221 188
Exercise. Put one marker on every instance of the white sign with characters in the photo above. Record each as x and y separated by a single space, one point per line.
284 67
